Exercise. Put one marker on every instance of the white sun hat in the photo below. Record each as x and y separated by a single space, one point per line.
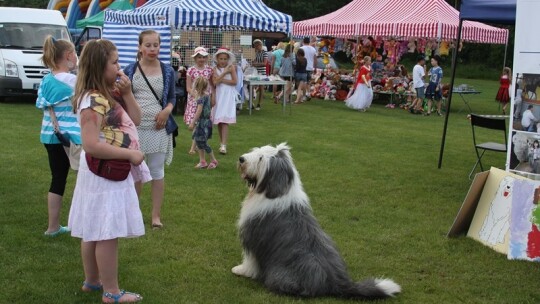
232 58
200 51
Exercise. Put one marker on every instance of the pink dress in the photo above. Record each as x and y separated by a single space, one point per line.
191 106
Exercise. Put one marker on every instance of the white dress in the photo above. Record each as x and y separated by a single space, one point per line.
361 98
225 109
102 209
363 95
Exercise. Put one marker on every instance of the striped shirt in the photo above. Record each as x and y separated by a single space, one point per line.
261 57
56 91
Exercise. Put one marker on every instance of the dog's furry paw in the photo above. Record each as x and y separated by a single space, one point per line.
242 270
238 270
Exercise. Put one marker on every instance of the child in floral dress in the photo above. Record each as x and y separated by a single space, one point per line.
202 123
200 69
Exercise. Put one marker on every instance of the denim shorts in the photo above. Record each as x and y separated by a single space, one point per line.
301 77
420 92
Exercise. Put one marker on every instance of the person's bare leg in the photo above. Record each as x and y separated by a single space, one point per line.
288 89
158 190
54 205
260 94
90 266
224 133
192 149
107 261
300 92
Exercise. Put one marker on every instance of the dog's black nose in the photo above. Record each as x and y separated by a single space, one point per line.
241 159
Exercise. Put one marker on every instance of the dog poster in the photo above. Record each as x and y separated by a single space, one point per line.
491 222
524 243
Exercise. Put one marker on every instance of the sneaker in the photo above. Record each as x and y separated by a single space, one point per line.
258 107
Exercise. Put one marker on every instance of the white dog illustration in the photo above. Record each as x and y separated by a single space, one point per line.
496 223
284 247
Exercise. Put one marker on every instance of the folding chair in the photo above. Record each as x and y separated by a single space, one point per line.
480 121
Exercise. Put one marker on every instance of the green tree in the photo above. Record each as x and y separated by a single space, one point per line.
25 3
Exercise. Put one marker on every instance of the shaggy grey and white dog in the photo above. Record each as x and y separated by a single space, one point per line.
284 247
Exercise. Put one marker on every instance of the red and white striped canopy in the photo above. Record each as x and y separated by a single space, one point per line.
433 19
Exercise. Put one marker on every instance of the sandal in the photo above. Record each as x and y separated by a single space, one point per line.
157 226
117 297
56 233
201 165
223 149
213 164
86 287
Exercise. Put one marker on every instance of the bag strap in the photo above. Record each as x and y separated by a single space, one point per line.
54 120
148 83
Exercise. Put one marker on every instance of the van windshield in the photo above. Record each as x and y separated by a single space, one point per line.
29 36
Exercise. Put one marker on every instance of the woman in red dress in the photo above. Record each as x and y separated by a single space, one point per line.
363 94
503 95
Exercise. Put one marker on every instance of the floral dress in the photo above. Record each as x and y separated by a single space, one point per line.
191 106
203 130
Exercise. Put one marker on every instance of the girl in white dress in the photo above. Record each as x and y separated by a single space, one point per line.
363 94
104 210
224 78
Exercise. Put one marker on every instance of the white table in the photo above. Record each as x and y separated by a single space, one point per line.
251 83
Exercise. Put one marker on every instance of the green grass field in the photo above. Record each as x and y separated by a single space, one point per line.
374 187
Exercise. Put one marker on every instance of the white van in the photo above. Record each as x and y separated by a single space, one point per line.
22 33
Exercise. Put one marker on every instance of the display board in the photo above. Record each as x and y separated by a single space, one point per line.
524 148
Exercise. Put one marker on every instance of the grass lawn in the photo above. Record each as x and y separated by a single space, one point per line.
374 186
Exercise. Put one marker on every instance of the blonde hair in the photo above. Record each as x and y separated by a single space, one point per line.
508 71
92 65
54 50
199 87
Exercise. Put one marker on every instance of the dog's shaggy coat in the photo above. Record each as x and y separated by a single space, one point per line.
284 247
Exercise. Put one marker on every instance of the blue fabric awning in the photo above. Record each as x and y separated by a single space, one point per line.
226 14
491 11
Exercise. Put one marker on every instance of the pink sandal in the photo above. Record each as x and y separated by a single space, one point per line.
201 165
213 164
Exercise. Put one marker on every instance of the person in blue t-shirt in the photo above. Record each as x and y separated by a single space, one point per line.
433 91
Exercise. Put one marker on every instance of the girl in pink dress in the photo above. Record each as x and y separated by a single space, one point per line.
200 69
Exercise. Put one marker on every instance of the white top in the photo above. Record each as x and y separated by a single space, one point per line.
418 76
527 118
68 78
309 52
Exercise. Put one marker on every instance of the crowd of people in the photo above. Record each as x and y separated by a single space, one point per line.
123 120
126 116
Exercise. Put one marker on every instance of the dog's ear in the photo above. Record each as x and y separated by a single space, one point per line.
278 177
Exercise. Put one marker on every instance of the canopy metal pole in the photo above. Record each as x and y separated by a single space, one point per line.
454 63
505 51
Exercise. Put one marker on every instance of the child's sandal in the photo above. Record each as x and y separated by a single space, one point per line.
86 287
213 164
201 165
117 297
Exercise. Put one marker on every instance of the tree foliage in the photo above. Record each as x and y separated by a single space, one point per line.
25 3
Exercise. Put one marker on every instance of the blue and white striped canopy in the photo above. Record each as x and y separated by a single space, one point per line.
188 14
126 39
